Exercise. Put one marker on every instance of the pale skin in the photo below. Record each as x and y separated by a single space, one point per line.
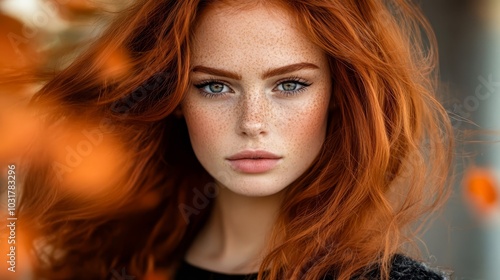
271 88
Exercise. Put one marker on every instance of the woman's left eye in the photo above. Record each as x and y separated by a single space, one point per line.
290 87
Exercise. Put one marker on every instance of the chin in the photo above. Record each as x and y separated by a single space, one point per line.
254 188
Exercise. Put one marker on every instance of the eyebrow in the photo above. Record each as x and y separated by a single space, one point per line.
268 74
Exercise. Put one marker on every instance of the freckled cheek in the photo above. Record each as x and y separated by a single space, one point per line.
205 126
309 124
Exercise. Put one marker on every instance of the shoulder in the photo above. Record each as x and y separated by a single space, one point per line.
404 267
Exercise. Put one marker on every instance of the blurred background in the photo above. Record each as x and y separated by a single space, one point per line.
465 237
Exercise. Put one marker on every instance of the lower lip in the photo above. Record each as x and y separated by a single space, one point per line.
254 165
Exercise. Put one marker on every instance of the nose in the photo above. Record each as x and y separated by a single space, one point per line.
253 112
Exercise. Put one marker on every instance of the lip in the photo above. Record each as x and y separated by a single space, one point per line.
258 161
253 154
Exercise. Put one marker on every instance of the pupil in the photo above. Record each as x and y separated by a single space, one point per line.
289 86
216 87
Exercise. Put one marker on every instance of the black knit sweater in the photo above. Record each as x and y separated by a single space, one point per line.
403 268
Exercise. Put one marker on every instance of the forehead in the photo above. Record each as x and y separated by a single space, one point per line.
227 35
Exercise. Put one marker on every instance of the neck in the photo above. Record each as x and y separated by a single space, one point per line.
236 233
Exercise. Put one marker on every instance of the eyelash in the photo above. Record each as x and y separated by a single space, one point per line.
293 79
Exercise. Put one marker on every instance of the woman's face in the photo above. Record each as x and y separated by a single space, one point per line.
257 84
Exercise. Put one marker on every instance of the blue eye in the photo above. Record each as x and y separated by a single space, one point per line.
291 86
213 88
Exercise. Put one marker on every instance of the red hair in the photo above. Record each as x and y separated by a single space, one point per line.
384 162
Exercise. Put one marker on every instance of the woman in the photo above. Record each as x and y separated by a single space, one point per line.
287 139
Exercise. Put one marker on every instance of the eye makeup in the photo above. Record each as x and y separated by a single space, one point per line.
205 87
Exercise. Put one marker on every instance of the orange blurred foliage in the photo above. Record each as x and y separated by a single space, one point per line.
115 64
73 9
17 50
18 55
87 160
481 189
19 128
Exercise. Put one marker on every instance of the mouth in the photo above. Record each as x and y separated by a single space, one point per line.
253 154
253 161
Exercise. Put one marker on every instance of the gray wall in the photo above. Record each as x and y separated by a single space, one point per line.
469 48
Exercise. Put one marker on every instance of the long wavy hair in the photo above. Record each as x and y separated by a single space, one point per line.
385 162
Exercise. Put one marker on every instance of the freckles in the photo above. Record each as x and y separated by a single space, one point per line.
309 123
207 123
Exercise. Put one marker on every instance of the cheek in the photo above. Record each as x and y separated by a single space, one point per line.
205 126
308 126
199 124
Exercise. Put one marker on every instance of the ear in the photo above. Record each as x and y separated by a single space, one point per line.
178 111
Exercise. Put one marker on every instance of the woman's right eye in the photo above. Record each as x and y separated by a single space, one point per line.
213 89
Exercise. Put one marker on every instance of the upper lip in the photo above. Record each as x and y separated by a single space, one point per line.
253 154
